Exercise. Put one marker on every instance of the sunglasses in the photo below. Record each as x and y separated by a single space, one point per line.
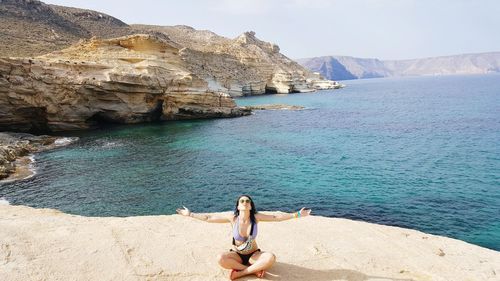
244 201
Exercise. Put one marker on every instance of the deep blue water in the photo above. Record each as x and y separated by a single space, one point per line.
420 153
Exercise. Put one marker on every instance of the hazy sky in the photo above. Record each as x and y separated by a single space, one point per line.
385 29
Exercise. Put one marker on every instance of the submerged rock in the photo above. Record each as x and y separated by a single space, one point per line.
274 107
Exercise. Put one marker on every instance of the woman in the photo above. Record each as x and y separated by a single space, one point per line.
245 258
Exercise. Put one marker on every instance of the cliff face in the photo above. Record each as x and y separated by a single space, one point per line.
244 65
132 79
344 68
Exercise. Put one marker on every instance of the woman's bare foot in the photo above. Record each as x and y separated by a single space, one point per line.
235 274
232 274
260 274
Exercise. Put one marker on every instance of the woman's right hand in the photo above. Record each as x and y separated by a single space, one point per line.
183 211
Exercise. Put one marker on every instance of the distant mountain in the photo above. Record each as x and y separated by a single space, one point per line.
345 68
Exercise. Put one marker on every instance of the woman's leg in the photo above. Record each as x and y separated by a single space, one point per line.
260 261
230 260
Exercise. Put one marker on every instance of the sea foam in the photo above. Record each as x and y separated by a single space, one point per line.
4 201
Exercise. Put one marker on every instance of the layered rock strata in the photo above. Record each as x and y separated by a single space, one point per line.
139 78
241 66
244 65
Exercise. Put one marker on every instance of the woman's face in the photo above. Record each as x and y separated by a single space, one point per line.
244 203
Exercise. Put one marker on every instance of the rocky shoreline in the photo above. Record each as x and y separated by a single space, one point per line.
16 153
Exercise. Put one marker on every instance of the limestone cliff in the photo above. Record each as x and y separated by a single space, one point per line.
132 79
244 65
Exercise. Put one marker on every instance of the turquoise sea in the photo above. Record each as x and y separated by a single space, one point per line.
420 153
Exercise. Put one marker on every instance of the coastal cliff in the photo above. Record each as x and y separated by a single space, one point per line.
65 68
45 244
153 73
241 66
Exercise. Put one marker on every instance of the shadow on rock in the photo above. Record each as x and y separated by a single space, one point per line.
284 271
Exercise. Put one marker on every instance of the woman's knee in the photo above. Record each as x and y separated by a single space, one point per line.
221 258
271 258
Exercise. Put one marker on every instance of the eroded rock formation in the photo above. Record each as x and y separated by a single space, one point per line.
241 66
132 79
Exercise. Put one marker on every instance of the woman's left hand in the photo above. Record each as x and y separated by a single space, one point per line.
184 211
304 212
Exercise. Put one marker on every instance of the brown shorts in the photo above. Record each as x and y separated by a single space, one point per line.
245 258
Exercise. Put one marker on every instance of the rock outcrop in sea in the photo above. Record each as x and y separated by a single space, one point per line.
274 107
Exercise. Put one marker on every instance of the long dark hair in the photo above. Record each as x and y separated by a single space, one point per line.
253 211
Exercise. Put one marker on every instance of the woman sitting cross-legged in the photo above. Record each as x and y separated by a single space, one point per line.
245 257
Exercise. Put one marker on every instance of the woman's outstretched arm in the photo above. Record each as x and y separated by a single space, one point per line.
219 218
283 217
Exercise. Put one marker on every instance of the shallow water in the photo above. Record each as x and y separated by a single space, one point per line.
421 153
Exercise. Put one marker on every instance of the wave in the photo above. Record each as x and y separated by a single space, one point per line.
31 167
104 143
4 201
110 144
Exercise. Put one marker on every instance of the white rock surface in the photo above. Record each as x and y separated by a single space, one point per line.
44 244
